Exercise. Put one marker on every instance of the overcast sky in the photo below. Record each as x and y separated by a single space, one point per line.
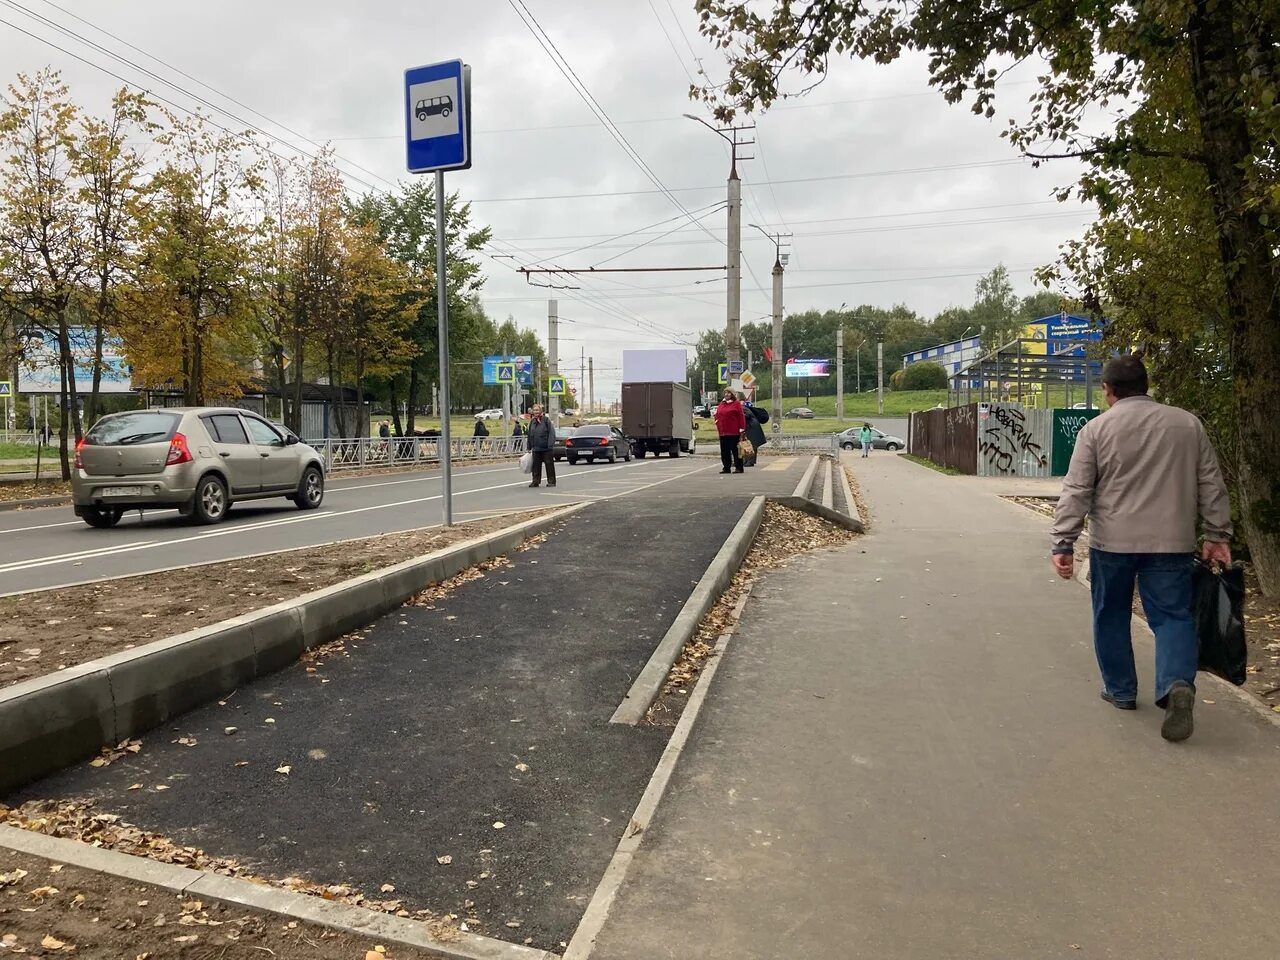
867 171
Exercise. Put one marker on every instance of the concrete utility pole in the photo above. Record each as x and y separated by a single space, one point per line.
733 321
840 374
880 376
591 384
553 357
582 381
778 368
733 298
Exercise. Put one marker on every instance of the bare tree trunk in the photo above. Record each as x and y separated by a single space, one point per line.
395 408
1250 267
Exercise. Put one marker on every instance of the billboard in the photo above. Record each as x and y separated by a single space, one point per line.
808 368
654 366
524 369
39 371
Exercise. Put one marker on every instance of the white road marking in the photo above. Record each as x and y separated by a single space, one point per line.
97 553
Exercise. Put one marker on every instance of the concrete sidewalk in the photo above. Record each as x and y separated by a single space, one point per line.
903 755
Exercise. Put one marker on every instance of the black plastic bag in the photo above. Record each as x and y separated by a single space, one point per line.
1219 613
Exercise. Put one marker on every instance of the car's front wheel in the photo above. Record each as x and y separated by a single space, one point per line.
210 501
891 446
310 489
101 517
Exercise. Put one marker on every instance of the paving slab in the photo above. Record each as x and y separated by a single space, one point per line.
477 731
903 756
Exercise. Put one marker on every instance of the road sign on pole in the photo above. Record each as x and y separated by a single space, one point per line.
722 373
507 373
437 128
736 366
6 388
556 387
437 117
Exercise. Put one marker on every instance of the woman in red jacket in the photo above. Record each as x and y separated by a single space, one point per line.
731 424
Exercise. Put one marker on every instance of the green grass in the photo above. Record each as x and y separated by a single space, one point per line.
949 471
24 451
864 406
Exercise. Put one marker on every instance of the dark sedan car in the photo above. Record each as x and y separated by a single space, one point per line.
597 441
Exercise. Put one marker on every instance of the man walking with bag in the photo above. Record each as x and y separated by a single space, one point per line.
541 444
1143 472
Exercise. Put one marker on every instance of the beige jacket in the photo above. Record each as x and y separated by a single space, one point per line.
1142 472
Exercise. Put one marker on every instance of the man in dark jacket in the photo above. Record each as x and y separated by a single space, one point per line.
542 444
755 433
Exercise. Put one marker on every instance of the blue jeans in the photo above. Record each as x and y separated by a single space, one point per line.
1164 583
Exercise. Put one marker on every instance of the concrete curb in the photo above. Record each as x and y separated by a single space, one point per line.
236 892
50 722
854 512
712 583
818 510
597 912
829 486
806 481
33 503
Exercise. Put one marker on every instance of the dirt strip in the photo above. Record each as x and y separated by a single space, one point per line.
784 534
41 633
51 910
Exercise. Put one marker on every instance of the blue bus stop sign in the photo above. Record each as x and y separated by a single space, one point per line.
437 117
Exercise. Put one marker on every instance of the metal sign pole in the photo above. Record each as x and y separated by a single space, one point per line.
442 334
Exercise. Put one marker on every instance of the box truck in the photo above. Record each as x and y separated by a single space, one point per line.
658 418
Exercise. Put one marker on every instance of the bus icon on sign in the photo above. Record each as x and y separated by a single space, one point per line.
433 106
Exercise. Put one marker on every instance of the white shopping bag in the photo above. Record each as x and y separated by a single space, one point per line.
526 463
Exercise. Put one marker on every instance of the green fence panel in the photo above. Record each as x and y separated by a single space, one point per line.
1066 425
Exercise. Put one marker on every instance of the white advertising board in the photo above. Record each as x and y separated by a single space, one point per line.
654 366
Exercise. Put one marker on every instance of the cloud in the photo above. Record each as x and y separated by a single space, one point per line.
333 71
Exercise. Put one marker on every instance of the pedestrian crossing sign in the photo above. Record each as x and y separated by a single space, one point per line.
722 373
507 373
556 387
6 388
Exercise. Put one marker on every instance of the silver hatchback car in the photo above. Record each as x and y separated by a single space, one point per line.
197 460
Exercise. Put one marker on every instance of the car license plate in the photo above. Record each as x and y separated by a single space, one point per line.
121 491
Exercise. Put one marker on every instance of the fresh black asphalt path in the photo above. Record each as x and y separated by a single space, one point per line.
440 724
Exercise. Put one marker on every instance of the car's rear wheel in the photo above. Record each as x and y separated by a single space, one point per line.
573 460
674 449
210 501
101 517
846 446
613 455
310 489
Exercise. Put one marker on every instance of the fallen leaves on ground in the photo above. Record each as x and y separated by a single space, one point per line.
429 597
110 755
783 535
78 820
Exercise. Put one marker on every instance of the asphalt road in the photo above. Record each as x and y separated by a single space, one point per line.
51 548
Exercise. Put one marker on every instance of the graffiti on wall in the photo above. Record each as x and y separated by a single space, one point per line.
1067 425
1007 444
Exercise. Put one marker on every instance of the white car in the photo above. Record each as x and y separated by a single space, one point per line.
492 414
